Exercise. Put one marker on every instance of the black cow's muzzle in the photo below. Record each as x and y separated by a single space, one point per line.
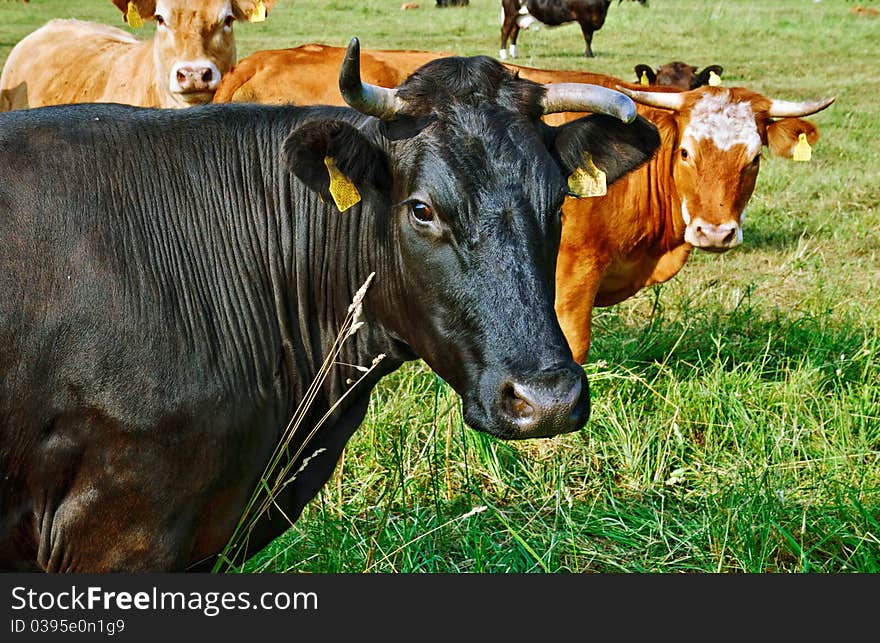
537 406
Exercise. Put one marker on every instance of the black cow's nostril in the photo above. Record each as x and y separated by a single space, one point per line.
548 404
515 402
207 75
730 237
181 75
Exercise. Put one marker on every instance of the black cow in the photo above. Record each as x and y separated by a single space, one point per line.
677 74
589 14
173 280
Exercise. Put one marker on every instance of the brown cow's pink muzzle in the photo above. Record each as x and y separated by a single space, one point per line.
714 238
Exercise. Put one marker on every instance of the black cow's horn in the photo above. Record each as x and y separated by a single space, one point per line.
663 100
790 109
365 98
582 97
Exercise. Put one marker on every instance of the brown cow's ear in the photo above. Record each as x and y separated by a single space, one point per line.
337 161
600 143
645 75
146 9
783 135
251 10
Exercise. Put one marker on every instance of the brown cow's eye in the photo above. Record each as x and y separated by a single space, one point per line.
160 20
684 154
228 21
421 212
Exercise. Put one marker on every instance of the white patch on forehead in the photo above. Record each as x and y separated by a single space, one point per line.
685 215
725 123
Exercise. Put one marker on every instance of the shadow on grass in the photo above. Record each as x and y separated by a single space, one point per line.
694 336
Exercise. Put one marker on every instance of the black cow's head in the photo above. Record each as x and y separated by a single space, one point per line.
474 184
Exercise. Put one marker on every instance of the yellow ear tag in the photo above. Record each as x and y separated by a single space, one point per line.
259 12
714 79
345 194
133 17
587 179
802 149
643 79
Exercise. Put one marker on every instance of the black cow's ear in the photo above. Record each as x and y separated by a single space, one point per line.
336 160
704 76
600 148
645 75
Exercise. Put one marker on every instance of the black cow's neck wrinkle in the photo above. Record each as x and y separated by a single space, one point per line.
287 266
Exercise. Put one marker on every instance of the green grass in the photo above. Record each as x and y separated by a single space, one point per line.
736 409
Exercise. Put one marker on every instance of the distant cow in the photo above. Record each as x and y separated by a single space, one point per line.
72 61
515 14
173 282
677 74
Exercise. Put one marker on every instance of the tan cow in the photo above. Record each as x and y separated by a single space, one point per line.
692 194
72 61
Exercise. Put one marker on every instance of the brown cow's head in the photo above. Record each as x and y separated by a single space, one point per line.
676 74
720 134
194 44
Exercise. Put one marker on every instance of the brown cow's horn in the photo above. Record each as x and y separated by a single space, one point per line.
789 109
365 98
581 97
663 100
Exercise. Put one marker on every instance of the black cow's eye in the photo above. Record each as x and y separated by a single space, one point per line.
421 212
160 20
228 21
684 154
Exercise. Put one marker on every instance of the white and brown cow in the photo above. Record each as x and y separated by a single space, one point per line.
73 61
692 194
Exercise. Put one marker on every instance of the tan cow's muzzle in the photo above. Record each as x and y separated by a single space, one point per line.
195 82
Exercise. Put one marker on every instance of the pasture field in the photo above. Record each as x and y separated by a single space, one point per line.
736 409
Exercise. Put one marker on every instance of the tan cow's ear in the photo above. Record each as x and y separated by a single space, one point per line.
252 10
784 136
143 9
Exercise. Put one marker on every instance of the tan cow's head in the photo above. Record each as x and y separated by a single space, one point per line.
720 134
194 44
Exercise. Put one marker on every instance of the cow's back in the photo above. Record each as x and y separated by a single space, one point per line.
308 74
73 61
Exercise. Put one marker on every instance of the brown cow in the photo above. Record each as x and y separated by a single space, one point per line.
72 61
677 74
305 75
691 194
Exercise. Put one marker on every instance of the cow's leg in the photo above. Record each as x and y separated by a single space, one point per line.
106 497
323 453
84 536
513 34
507 27
587 30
